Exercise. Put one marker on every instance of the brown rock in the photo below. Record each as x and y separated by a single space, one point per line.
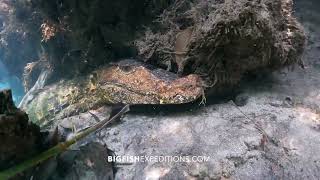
19 138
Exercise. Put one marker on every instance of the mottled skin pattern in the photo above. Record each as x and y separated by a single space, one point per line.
127 82
135 84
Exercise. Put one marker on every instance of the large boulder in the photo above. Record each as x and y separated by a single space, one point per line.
224 40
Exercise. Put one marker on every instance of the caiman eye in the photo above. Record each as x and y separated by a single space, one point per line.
126 68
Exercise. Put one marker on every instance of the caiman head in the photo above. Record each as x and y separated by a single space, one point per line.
130 82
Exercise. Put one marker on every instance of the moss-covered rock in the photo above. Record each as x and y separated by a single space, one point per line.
224 40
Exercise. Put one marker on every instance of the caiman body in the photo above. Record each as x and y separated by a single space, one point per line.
127 82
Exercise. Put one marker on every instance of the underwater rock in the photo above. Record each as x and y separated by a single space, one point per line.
19 138
224 40
127 82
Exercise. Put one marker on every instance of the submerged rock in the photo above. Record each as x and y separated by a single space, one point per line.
224 40
19 138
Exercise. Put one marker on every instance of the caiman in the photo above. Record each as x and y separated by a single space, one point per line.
128 82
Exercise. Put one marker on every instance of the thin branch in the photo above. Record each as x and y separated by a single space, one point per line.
175 52
256 125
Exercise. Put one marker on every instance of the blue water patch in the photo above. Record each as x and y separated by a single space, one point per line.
11 82
17 90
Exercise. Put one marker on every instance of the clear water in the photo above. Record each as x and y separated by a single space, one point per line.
8 81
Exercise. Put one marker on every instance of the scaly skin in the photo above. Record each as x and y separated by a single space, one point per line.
127 82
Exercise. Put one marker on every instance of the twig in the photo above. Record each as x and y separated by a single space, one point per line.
175 52
256 125
59 148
